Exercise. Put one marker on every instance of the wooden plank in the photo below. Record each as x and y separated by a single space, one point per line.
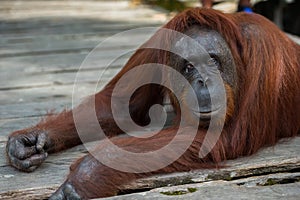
42 80
37 95
22 10
283 158
88 33
42 182
61 46
41 105
47 70
7 126
110 29
20 18
277 187
31 193
55 62
134 15
56 25
8 5
32 109
84 37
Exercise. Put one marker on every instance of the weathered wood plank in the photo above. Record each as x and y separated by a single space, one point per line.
32 109
11 40
132 15
17 8
48 79
234 190
30 193
10 6
19 27
56 62
283 158
81 31
42 182
129 14
37 95
9 125
84 42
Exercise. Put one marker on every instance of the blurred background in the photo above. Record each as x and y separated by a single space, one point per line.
285 13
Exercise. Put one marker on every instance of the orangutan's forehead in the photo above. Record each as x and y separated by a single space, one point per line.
197 41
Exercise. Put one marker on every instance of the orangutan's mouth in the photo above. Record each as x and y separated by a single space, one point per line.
206 116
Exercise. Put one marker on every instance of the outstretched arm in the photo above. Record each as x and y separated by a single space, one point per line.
28 148
89 178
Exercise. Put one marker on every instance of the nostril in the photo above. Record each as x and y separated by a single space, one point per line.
202 82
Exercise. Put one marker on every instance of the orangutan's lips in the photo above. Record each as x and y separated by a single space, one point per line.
206 115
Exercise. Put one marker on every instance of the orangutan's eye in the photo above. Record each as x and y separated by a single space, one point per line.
213 61
188 68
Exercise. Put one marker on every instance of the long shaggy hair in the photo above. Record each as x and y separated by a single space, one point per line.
268 67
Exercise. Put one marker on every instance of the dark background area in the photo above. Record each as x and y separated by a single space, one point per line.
286 14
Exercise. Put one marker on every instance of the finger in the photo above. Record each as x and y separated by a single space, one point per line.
31 169
41 141
29 163
37 159
17 149
25 152
28 139
70 193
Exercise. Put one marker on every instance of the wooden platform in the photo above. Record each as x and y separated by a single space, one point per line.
42 45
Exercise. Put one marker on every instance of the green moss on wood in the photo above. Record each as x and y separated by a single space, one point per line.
179 192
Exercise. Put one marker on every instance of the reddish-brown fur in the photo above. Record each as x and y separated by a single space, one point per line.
266 103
